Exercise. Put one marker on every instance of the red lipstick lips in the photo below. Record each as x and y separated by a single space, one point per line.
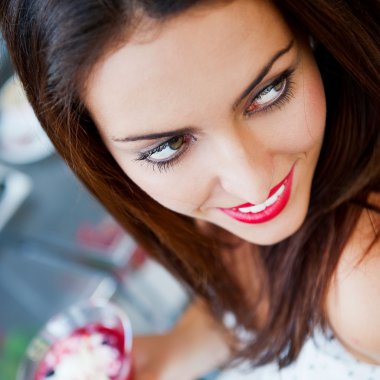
273 205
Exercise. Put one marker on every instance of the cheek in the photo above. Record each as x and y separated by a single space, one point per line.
299 126
314 103
171 188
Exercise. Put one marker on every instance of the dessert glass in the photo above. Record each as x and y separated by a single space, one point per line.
91 340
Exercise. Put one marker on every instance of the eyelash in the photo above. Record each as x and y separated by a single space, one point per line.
166 164
287 94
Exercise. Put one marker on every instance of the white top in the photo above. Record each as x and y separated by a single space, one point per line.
321 358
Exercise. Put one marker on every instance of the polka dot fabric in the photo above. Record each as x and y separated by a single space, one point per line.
322 358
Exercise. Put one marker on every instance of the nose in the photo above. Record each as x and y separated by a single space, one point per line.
246 172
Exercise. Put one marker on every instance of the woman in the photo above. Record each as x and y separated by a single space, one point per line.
238 142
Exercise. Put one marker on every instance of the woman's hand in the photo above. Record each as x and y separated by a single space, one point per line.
195 346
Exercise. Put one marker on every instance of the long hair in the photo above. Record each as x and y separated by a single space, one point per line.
54 45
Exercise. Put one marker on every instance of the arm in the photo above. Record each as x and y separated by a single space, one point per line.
195 346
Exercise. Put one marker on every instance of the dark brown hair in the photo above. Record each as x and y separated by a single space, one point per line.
54 44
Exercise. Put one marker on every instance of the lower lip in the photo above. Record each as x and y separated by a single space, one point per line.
270 212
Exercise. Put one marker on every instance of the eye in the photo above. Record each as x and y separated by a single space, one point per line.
168 149
270 95
168 152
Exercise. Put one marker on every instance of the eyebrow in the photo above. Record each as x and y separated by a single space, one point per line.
156 136
263 72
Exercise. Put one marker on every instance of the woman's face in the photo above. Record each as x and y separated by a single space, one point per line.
217 114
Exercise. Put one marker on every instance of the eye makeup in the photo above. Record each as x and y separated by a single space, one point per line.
283 85
167 153
275 94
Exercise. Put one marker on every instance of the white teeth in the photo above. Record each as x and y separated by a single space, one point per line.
256 208
271 200
275 196
262 206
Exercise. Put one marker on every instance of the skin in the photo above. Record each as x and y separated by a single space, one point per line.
187 73
352 303
200 69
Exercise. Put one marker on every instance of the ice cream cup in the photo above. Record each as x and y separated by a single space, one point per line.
91 340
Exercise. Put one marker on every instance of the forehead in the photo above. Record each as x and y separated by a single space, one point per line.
168 70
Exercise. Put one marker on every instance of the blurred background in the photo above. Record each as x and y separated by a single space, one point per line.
57 244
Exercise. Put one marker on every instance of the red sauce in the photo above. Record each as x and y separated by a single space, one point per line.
113 338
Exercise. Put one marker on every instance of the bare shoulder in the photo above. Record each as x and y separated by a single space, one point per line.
353 302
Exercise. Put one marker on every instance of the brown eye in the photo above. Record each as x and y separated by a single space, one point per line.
176 142
169 148
278 86
269 95
165 154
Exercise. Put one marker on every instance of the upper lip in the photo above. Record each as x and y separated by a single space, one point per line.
271 192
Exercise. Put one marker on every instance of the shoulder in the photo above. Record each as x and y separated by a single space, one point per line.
353 301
